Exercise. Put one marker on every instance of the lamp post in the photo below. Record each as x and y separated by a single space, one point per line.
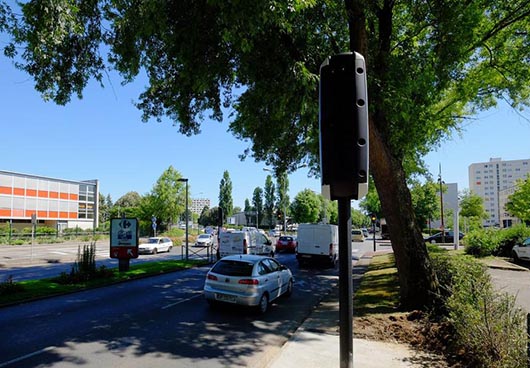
440 181
186 181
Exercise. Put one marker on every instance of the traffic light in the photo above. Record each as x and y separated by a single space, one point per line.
373 218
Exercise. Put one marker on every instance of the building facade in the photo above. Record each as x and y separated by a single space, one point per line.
198 204
56 203
492 181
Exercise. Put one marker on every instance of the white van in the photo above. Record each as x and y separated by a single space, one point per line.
244 242
318 243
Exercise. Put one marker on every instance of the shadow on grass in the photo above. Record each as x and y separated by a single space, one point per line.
378 291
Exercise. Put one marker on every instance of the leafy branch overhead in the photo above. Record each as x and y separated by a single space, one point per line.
430 64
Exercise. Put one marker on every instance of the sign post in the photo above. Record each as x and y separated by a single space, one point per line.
124 239
344 166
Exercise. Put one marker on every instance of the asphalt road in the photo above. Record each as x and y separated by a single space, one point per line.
515 283
155 322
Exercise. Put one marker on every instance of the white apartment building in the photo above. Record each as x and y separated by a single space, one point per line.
197 205
492 181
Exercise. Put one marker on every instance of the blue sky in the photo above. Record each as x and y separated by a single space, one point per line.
102 137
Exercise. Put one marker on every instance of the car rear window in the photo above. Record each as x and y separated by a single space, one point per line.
233 268
286 238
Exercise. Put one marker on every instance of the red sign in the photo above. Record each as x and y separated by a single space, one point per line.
123 252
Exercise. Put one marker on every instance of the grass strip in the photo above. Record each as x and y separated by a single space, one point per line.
379 288
23 291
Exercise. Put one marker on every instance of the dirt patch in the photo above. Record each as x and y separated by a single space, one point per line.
414 329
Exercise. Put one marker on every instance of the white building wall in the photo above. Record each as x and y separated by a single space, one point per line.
490 179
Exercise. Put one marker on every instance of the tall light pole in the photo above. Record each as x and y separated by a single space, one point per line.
441 204
186 181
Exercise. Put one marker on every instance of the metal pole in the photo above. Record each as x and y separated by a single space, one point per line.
373 233
285 204
442 205
187 221
345 285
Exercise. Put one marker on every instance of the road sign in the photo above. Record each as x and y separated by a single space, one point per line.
124 236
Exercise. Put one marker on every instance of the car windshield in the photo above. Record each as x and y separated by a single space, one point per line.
204 236
152 241
233 268
286 238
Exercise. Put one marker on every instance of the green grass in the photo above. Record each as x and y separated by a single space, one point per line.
22 291
379 289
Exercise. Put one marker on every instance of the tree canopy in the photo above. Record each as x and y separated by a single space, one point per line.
430 65
225 195
519 202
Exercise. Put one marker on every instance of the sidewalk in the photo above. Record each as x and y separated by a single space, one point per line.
316 342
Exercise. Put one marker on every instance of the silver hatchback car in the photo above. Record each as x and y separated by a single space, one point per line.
249 280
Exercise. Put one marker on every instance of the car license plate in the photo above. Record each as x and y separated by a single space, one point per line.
225 298
306 256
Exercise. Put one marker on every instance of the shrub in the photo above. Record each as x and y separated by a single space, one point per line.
45 230
481 243
507 238
84 268
10 287
489 328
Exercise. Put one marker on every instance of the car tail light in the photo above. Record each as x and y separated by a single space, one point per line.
249 282
245 248
212 277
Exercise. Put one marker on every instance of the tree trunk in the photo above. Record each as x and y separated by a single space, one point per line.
417 280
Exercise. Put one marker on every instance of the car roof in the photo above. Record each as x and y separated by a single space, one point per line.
244 257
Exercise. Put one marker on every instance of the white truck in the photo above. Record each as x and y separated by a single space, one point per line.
244 242
318 243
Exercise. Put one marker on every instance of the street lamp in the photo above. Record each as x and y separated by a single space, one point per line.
186 181
440 181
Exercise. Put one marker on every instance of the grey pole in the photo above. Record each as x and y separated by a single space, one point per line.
345 285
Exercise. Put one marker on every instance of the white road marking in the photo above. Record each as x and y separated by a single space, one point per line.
179 302
16 360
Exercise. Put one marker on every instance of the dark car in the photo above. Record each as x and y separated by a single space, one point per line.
449 237
286 243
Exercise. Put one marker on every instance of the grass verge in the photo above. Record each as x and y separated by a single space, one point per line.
379 288
12 293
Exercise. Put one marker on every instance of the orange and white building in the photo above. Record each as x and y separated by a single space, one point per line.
56 203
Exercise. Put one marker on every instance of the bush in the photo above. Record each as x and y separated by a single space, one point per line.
45 230
84 268
10 287
507 238
481 243
490 329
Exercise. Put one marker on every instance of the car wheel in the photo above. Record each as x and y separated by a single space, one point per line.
515 257
169 249
289 290
263 304
155 251
433 241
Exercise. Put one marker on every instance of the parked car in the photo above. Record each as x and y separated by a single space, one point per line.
155 245
248 280
204 240
365 232
357 235
521 251
286 243
449 237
